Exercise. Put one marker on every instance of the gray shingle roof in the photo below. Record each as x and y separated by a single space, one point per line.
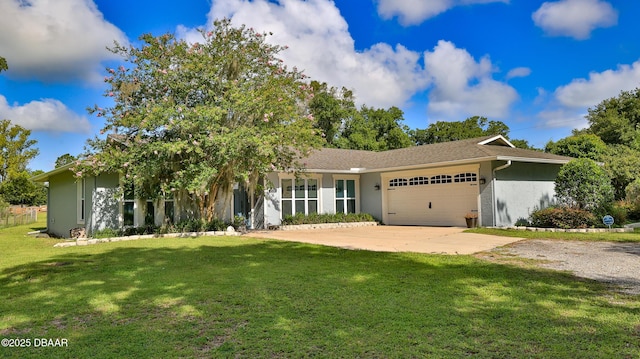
469 150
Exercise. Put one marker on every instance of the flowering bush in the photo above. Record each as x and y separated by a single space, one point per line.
562 217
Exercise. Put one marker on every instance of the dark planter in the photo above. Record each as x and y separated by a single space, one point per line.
472 222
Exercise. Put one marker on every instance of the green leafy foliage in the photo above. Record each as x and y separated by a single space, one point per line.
633 198
623 166
374 130
472 127
16 149
619 210
64 160
4 206
331 107
3 64
617 120
194 119
186 226
633 192
317 218
443 131
582 184
524 144
562 217
18 189
579 146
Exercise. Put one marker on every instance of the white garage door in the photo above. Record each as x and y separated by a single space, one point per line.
432 198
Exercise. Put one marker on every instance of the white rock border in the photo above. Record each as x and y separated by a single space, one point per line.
571 230
88 241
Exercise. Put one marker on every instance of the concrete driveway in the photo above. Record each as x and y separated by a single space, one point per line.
440 240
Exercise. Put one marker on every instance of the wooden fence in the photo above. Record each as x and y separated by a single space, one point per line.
16 215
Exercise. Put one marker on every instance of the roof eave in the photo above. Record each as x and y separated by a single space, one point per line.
350 171
430 165
443 164
533 160
44 177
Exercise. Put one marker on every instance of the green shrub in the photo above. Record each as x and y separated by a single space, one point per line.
191 225
239 222
133 231
316 218
619 211
562 217
583 184
523 222
107 233
216 225
633 197
167 228
633 192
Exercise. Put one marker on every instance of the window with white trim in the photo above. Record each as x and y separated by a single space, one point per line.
417 181
465 177
81 202
345 195
128 206
398 182
299 196
440 179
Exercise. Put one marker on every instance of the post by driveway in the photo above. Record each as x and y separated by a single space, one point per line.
435 240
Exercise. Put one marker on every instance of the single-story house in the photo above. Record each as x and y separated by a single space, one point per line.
429 185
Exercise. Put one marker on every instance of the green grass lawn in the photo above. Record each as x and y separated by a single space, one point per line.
572 236
238 297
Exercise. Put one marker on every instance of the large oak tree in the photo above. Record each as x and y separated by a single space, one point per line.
193 119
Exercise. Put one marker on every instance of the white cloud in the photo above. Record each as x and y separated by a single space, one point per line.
563 118
518 72
44 115
320 44
463 87
599 86
382 75
413 12
574 18
57 40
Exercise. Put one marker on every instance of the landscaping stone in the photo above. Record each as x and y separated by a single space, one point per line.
570 230
65 244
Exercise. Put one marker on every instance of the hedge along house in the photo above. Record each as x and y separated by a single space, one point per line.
430 185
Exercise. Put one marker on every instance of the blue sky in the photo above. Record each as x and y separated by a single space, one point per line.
535 65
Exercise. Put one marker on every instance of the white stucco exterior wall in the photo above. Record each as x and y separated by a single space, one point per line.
521 189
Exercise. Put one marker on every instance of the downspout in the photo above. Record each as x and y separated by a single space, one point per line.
493 189
50 218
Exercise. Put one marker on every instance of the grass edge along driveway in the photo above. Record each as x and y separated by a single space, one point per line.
240 297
